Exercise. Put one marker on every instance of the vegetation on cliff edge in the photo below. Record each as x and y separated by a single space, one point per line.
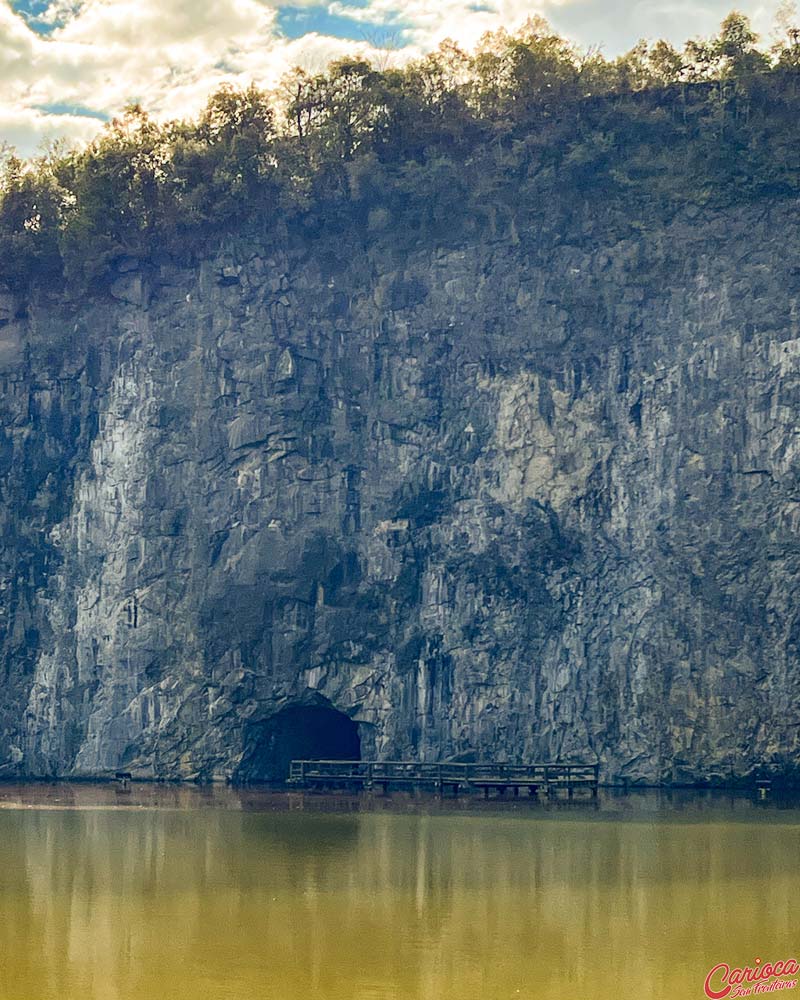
454 142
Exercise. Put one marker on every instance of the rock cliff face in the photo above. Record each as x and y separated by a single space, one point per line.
536 497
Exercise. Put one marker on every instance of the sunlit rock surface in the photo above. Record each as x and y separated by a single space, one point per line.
532 498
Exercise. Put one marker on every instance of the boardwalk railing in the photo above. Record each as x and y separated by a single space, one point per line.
369 774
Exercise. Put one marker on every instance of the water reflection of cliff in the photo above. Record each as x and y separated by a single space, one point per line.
182 903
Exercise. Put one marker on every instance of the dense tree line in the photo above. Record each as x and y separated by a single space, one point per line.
453 140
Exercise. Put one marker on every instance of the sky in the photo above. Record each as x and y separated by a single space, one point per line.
66 66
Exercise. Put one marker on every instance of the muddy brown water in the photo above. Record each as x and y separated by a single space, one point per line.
186 893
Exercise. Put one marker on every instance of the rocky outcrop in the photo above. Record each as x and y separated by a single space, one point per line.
532 498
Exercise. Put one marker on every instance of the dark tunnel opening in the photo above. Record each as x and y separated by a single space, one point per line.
302 732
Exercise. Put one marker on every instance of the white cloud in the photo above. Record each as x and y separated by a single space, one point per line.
463 21
616 25
167 54
170 54
28 128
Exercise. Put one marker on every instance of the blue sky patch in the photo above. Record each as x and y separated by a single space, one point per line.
294 22
31 11
72 109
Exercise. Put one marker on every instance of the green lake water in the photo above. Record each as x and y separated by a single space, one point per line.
190 893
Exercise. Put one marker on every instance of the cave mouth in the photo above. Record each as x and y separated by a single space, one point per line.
300 732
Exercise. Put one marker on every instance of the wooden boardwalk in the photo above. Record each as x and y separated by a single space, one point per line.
354 775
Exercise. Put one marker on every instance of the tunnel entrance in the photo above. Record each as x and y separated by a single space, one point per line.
302 732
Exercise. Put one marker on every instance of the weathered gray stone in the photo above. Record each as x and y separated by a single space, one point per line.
129 288
532 499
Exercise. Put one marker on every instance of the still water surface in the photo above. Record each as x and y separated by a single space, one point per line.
187 894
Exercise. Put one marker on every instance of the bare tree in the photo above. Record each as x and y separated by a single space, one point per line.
384 45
